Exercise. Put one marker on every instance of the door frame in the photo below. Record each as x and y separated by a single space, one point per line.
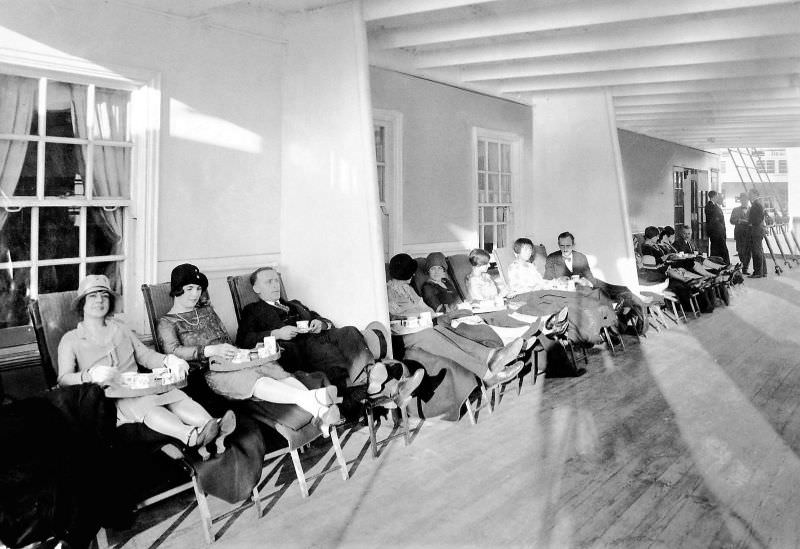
394 119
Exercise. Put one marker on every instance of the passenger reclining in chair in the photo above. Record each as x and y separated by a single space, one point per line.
522 273
100 349
438 291
340 353
480 284
488 363
192 331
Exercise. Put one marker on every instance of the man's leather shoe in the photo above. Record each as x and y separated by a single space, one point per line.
508 373
506 355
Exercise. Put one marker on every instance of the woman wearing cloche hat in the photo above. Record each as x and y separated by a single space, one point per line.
100 349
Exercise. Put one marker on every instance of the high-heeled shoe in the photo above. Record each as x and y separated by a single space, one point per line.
199 438
227 425
325 417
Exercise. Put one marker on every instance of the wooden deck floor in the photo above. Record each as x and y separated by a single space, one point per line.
689 439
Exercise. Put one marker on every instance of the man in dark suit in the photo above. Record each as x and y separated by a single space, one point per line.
683 241
757 231
741 230
715 227
568 263
341 353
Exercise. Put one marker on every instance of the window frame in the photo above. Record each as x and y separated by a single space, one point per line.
512 219
141 208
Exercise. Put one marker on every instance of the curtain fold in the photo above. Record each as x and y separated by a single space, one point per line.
17 102
110 163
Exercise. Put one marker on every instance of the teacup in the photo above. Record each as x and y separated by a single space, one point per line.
302 325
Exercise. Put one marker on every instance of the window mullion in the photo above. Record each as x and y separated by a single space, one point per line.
90 123
34 282
82 242
40 146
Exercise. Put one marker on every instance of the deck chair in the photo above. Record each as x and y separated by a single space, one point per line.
52 316
290 421
458 268
504 257
420 277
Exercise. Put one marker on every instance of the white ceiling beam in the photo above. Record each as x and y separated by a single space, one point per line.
383 9
558 17
663 99
712 85
724 26
707 106
780 47
741 113
704 71
727 122
701 133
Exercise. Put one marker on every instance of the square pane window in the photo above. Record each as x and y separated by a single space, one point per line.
501 236
15 236
14 291
501 214
19 97
111 110
104 231
20 158
494 191
505 188
63 163
505 157
481 155
382 183
66 109
488 238
58 278
494 160
488 214
111 172
58 233
379 146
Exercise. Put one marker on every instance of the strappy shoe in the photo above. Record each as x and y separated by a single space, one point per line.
327 416
506 355
199 438
227 425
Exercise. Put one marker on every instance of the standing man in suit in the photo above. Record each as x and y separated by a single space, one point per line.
741 230
715 226
757 231
568 263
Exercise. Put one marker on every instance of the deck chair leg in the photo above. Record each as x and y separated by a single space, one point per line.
101 539
257 502
205 513
470 412
301 475
373 440
406 428
485 396
605 332
535 368
337 449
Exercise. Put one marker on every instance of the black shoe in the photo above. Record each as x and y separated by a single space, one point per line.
745 272
579 372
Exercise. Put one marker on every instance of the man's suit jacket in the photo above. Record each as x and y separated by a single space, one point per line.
756 218
260 318
684 246
556 267
715 220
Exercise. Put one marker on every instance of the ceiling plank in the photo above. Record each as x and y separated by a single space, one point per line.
665 56
384 9
768 22
757 96
558 17
711 85
707 106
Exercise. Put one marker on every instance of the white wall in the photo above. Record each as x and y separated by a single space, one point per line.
331 241
579 182
438 199
219 157
648 164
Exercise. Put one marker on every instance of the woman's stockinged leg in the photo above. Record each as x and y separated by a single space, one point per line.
163 421
190 412
281 392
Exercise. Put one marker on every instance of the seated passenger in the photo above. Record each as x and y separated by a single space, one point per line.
340 353
489 363
567 262
522 274
683 241
100 349
480 285
666 238
192 330
650 245
438 292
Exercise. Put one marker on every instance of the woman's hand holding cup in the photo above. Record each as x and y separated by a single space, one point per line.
103 375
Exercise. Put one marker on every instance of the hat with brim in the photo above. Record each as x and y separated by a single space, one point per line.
743 197
649 262
93 283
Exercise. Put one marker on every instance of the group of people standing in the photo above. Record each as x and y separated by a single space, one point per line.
749 230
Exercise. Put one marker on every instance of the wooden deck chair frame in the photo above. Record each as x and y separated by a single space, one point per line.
458 267
504 257
158 302
52 316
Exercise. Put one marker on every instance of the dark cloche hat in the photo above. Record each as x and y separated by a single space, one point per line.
402 267
186 274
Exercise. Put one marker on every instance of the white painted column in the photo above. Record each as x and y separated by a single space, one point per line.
331 241
793 188
579 184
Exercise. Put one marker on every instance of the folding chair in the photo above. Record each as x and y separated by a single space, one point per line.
283 418
52 316
504 257
458 268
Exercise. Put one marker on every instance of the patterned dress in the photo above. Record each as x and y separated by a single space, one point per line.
186 334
